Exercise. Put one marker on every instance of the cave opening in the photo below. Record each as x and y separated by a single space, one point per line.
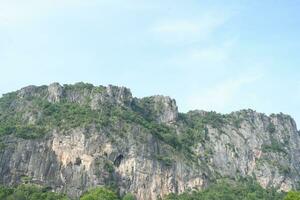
77 161
118 160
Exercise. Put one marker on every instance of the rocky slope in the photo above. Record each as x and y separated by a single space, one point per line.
74 137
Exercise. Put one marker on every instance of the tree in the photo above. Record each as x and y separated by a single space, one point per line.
99 194
292 195
129 196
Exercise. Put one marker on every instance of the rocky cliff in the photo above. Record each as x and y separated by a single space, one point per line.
74 137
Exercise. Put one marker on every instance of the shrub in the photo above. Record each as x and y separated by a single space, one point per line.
247 189
167 161
109 167
275 146
292 195
29 192
129 196
271 128
99 194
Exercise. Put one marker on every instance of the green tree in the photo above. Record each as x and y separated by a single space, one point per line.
29 192
129 196
100 194
292 195
247 189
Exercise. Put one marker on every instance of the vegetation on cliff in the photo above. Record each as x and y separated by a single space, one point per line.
247 189
223 190
29 192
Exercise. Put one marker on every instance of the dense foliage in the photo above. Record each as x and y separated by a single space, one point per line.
292 195
34 192
29 192
224 190
100 194
129 196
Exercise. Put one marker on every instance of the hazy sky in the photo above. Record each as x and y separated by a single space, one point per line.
212 56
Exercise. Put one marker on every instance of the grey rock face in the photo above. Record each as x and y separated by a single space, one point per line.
111 95
27 91
253 149
132 157
167 111
55 91
162 109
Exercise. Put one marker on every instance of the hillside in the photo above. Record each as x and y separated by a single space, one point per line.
72 138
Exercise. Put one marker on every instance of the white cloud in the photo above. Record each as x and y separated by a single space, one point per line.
219 53
220 96
189 29
211 56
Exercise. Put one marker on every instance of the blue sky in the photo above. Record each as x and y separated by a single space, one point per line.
221 55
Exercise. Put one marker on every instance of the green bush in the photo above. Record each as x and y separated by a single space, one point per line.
165 160
247 189
109 167
129 196
29 131
29 192
271 128
292 195
100 194
275 146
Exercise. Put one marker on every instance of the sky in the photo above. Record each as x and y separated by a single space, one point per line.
209 55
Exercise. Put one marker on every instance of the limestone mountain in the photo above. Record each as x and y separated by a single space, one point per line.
74 137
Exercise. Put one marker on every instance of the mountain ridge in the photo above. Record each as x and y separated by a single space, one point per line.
29 87
74 137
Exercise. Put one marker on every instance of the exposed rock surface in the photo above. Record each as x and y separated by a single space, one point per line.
55 92
132 155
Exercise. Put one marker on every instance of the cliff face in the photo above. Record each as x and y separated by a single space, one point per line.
74 137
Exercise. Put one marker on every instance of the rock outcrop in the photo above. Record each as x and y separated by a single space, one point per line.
143 146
